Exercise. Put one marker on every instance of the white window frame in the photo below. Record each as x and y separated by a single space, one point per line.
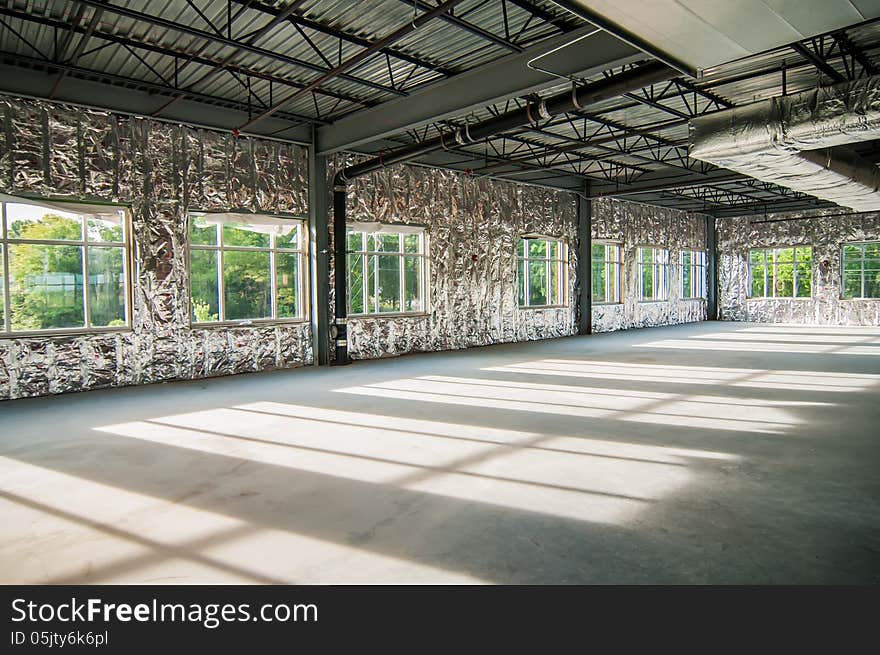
84 243
402 230
560 262
767 277
697 265
659 271
843 295
302 281
613 270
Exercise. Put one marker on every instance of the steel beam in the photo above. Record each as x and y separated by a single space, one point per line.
584 263
711 270
319 257
499 80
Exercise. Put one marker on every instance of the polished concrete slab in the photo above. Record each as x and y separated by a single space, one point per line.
707 453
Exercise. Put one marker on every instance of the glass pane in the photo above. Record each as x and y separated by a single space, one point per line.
537 248
411 243
555 297
388 242
686 258
247 288
356 284
687 281
804 272
252 236
106 287
612 282
200 233
597 253
872 252
412 290
757 257
758 290
520 247
287 285
852 251
355 241
108 229
289 236
204 287
520 277
555 250
537 281
388 273
31 222
598 282
46 287
371 243
783 284
647 282
852 285
872 284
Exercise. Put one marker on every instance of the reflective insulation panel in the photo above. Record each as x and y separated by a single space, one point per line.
161 171
826 231
634 225
473 226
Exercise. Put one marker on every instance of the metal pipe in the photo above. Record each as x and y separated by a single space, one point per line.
534 111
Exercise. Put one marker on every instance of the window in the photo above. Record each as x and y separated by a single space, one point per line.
63 266
606 272
245 268
653 274
861 270
781 272
386 270
693 274
541 272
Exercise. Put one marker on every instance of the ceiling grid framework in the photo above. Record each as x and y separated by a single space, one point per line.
279 69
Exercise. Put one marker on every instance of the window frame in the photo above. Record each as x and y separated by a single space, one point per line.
619 277
6 331
561 261
304 294
698 286
656 267
424 263
794 265
843 245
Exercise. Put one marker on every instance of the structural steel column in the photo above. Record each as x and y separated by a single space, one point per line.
319 257
584 263
711 270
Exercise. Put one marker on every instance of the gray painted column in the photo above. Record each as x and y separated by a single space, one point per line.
584 266
711 270
319 257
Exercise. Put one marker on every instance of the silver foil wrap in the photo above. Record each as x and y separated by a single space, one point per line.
162 172
795 141
473 225
825 231
633 225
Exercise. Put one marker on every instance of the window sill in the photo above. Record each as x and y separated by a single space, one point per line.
354 317
781 298
698 298
265 322
651 302
858 299
608 304
64 332
528 307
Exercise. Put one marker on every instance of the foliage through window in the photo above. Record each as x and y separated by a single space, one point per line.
861 270
653 265
386 271
541 275
62 267
781 272
606 272
693 274
245 268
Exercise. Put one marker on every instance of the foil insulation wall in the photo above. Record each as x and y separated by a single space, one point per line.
825 231
161 172
473 226
633 225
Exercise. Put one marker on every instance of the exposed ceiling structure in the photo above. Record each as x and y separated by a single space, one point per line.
374 76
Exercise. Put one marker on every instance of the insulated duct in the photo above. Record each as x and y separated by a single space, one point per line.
797 142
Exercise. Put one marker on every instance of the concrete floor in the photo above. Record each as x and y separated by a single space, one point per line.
708 453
